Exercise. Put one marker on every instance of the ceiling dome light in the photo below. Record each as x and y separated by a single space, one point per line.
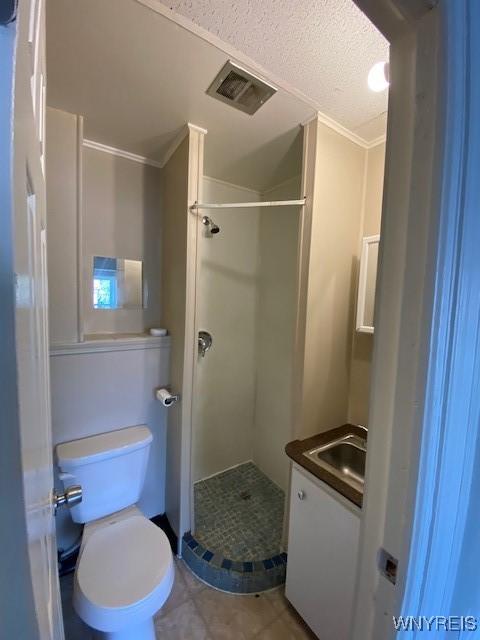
378 77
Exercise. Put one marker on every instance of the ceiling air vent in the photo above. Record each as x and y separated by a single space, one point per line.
238 88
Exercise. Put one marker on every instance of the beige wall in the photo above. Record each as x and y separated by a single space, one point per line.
96 392
358 401
116 203
174 277
62 136
333 183
278 239
179 243
226 307
122 211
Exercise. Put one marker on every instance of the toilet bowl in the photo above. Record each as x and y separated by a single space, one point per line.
124 575
125 568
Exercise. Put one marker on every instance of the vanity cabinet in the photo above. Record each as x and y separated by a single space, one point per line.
322 556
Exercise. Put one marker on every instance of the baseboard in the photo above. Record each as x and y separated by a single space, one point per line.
162 522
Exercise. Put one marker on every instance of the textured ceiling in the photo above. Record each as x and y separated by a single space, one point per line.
137 78
324 48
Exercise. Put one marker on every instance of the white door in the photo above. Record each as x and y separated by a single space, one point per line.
25 200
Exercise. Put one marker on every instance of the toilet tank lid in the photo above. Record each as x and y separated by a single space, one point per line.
104 445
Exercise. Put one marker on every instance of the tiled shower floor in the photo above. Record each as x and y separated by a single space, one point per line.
240 513
237 542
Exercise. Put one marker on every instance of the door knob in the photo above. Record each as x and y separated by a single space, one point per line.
71 497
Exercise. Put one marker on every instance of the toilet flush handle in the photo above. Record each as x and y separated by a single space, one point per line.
71 497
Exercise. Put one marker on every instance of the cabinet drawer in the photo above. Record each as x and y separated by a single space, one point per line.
322 558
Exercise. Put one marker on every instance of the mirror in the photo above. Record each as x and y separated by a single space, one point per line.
117 283
367 283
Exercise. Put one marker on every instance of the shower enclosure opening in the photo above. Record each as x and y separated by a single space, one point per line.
246 292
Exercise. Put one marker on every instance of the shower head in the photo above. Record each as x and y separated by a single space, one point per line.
210 224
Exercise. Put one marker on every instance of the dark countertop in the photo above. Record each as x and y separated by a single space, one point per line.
296 448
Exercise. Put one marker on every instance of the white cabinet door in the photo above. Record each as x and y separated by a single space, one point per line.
322 557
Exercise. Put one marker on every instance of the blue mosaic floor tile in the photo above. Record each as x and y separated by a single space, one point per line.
240 513
239 521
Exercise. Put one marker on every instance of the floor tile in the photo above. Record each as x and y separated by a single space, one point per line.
289 626
278 599
291 619
277 631
182 623
234 617
178 595
239 513
194 585
75 628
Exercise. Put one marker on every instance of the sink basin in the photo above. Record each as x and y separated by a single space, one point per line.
344 458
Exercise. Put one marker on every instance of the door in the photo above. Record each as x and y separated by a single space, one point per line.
25 341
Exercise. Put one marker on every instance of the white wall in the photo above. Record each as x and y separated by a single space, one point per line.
121 219
275 324
226 306
98 392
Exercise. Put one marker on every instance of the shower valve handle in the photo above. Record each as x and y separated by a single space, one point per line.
205 342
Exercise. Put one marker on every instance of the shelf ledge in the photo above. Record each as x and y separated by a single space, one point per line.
115 342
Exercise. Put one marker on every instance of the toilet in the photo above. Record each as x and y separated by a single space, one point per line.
125 569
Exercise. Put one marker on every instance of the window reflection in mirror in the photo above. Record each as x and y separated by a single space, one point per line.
117 283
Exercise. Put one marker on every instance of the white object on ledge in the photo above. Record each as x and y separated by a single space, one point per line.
167 398
157 332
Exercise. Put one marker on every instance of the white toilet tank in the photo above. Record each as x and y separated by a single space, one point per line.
109 467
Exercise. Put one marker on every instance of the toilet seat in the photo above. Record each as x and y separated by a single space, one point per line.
124 573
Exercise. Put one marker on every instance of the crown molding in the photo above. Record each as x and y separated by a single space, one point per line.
253 67
225 183
338 128
120 153
282 184
374 143
179 138
127 155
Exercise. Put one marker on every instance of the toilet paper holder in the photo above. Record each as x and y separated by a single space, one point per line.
166 397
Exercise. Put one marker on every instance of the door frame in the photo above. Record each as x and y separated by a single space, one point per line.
413 311
425 368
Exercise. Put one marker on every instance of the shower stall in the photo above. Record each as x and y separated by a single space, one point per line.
242 406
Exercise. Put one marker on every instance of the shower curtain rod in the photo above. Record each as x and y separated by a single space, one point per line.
244 205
